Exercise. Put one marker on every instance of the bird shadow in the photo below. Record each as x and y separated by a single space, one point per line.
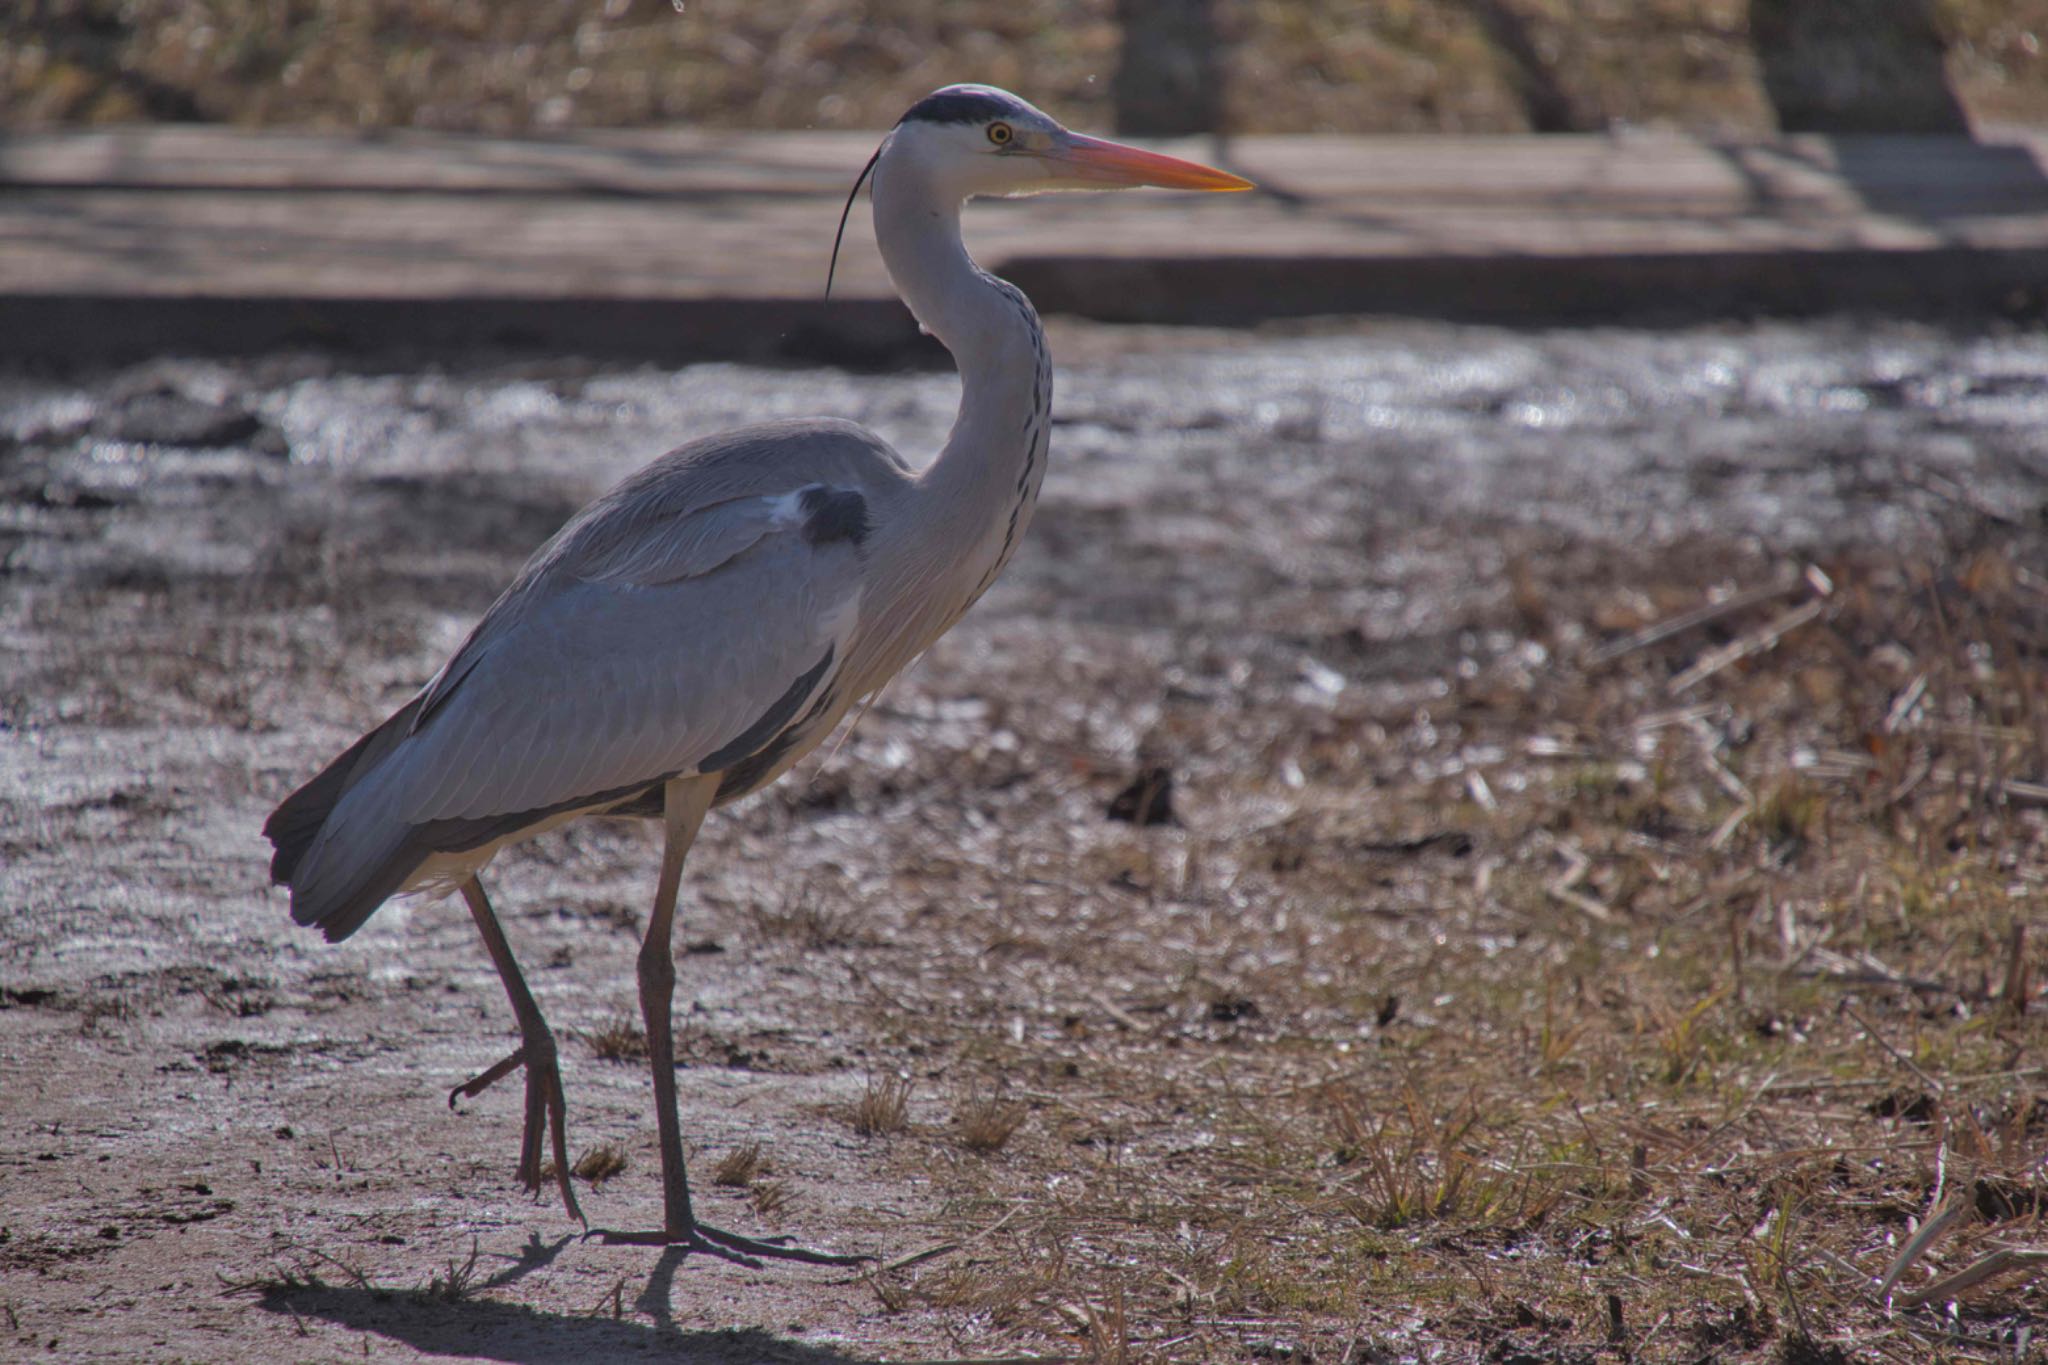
439 1321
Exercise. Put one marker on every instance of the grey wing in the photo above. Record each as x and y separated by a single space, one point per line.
621 680
616 662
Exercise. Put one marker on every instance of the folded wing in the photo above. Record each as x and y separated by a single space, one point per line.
645 642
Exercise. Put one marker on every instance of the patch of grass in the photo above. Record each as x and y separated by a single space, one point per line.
1701 1101
808 920
1411 1164
883 1107
1684 1043
771 1198
987 1125
1006 1297
600 1163
620 1040
1790 814
459 1281
1108 1326
738 1167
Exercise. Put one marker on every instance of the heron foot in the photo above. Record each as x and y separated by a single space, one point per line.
484 1080
731 1246
546 1114
775 1248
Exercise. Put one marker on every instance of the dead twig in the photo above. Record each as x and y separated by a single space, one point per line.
2001 1262
1939 1090
1819 1085
2017 986
615 1297
2024 793
1756 642
1561 887
1947 489
358 1278
1903 705
1832 966
1959 1209
930 1253
1659 631
1117 1012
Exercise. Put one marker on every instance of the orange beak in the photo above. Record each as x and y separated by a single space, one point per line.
1109 164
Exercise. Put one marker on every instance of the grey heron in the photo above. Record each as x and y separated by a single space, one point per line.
696 630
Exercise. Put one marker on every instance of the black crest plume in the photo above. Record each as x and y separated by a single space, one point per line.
851 195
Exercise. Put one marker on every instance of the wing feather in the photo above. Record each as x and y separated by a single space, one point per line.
668 622
610 682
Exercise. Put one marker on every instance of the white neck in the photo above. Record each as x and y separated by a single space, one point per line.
976 499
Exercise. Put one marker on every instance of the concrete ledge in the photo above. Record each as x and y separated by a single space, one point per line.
683 245
68 329
1655 288
1953 284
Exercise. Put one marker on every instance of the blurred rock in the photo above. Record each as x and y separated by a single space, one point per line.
167 417
1148 800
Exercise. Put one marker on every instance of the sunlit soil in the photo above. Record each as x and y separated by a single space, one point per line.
1575 893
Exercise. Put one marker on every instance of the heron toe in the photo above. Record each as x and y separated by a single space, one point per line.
545 1108
546 1115
731 1246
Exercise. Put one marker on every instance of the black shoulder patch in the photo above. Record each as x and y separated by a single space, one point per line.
834 514
960 104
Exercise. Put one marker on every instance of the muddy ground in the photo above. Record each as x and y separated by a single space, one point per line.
1497 987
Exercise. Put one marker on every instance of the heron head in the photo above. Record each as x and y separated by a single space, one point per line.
984 141
968 140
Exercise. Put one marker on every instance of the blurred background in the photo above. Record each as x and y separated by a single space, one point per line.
1731 67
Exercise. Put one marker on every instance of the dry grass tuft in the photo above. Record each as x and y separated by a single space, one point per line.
1108 1329
818 916
738 1167
460 1281
620 1040
1790 814
1415 1163
600 1163
807 925
883 1107
987 1125
771 1198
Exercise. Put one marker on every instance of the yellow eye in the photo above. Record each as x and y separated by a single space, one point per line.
1000 134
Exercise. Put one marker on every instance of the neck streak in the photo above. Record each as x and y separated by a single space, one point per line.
974 502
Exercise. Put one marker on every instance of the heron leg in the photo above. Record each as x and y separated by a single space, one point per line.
685 802
545 1109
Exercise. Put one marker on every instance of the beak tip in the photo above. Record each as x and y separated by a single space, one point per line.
1118 164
